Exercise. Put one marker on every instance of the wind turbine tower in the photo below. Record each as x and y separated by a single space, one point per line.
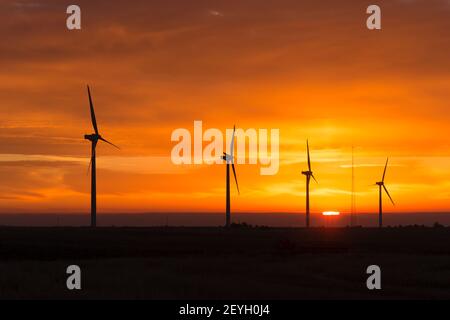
309 174
381 186
229 158
93 138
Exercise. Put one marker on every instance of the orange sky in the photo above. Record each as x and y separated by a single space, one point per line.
311 69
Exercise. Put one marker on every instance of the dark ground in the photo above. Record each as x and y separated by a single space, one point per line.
214 263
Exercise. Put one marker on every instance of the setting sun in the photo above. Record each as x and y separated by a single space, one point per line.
330 213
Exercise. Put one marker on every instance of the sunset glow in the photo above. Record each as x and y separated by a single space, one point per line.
311 73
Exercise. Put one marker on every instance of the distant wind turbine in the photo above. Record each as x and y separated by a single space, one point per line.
308 175
229 158
94 139
381 185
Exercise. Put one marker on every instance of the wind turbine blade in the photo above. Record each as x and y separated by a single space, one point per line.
100 138
232 143
387 192
385 167
235 179
91 105
309 159
89 167
314 178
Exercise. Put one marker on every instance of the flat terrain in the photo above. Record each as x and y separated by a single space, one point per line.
215 263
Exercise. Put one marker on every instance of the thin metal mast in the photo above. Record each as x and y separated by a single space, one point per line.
353 198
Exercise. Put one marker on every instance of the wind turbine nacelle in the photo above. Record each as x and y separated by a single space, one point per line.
307 173
91 137
380 183
228 158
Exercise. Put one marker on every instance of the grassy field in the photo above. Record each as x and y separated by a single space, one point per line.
214 263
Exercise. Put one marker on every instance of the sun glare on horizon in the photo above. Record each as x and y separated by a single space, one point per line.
331 213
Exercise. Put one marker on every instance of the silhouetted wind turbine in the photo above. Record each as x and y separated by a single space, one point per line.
229 158
381 185
94 139
308 175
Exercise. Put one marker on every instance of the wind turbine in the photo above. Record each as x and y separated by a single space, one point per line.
381 185
309 174
94 137
229 158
